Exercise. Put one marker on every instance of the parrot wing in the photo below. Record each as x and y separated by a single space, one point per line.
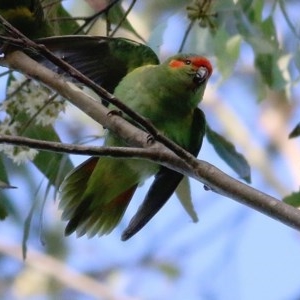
100 211
165 182
163 186
104 60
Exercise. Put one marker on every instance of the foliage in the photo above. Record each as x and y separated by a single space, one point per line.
227 151
293 199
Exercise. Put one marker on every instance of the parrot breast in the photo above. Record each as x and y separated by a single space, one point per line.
166 94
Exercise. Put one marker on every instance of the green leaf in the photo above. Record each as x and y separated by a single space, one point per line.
7 208
3 173
228 153
157 36
261 35
293 199
116 15
246 5
260 45
64 25
268 30
266 39
4 207
267 64
54 166
4 185
295 132
227 50
3 210
255 11
26 229
183 192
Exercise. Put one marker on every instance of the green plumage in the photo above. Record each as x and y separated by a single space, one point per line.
27 16
95 195
104 60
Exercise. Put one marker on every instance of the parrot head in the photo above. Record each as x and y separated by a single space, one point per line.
195 70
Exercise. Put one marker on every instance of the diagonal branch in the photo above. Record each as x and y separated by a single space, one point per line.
202 171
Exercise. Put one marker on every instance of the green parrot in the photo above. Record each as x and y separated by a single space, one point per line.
95 195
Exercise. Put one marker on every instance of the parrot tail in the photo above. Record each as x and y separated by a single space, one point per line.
74 186
89 213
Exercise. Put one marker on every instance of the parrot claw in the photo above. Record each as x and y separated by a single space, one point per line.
150 139
206 187
115 112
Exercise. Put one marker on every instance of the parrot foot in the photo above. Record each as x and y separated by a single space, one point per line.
150 139
207 188
115 112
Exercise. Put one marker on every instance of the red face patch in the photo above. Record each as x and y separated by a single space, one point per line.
195 61
174 63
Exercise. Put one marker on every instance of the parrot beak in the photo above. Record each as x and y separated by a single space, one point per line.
201 75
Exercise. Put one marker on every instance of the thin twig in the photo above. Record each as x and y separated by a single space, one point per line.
5 73
186 34
96 15
133 2
119 152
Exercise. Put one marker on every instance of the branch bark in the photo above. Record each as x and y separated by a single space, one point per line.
202 171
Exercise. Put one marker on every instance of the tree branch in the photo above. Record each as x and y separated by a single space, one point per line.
150 153
202 171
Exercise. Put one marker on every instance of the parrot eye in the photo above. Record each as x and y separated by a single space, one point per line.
187 62
201 75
